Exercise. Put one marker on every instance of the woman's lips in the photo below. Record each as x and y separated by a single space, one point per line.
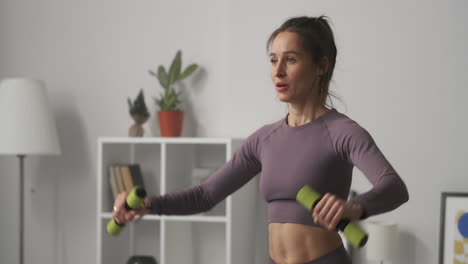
281 87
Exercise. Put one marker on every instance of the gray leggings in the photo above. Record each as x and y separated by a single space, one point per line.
337 256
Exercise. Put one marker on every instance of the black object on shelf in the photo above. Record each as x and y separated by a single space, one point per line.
142 260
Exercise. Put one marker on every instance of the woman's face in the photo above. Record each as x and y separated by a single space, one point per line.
293 72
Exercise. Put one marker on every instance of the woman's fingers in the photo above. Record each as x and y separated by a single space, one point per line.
336 211
130 215
329 211
138 217
122 215
319 206
324 206
337 217
140 213
119 211
118 217
333 205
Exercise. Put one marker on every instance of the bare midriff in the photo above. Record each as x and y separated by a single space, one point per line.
298 244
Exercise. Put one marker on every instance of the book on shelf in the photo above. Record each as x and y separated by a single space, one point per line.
123 177
113 182
118 174
127 178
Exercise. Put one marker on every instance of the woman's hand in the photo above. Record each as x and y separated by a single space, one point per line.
122 215
331 209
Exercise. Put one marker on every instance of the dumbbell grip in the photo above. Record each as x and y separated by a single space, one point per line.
353 232
132 202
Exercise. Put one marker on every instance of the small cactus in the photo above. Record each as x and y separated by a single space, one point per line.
138 107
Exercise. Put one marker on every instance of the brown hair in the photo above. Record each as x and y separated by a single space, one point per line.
318 40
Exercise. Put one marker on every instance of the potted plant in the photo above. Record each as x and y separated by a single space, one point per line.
170 115
139 113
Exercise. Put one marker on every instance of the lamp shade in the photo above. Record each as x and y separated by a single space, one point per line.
383 240
27 122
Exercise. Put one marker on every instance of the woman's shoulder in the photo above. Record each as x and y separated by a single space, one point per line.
340 124
265 130
272 126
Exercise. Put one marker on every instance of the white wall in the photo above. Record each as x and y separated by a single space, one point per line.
400 71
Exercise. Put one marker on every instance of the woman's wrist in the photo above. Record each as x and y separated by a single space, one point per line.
356 211
147 205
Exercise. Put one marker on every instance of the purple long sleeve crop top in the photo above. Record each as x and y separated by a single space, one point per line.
321 154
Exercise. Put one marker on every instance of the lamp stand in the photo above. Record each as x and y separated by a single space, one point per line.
21 231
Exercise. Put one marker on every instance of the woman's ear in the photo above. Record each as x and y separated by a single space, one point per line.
324 65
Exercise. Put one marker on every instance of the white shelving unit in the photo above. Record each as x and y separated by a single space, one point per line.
222 235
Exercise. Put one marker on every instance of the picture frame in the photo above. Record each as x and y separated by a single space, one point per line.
453 237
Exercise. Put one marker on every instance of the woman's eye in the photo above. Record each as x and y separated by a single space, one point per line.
290 59
273 61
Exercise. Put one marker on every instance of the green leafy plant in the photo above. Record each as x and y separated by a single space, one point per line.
169 99
138 107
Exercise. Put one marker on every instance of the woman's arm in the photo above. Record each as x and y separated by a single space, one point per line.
388 191
355 144
240 169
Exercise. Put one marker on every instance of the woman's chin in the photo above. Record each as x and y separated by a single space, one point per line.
283 98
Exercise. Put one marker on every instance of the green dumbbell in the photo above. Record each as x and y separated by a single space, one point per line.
352 232
133 202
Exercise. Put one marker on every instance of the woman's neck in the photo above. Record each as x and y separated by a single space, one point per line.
302 114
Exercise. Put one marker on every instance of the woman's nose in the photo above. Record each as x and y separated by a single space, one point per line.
279 70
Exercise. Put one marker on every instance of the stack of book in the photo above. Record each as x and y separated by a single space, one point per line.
123 177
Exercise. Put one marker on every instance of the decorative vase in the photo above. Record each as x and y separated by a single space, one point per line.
170 123
136 130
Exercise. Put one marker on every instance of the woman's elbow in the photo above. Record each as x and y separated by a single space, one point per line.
404 195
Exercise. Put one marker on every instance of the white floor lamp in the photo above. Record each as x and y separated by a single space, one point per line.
383 241
28 128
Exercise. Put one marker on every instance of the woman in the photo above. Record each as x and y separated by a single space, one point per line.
313 145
